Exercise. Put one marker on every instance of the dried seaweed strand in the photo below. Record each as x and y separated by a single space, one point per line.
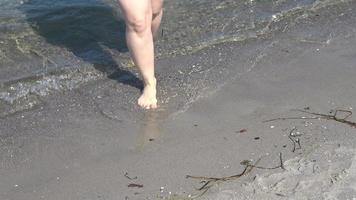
279 166
291 139
130 178
334 116
135 185
321 116
210 181
281 161
205 184
287 118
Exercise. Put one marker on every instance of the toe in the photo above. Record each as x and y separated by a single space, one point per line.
142 104
146 106
154 106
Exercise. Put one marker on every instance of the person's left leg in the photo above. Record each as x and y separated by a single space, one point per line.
157 13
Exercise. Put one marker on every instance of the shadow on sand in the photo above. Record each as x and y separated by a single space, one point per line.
89 29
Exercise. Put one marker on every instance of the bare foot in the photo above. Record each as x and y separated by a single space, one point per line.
148 98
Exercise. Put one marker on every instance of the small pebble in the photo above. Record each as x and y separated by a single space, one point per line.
271 126
243 130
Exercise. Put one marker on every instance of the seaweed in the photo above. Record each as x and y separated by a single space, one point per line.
130 178
333 116
295 141
135 185
209 182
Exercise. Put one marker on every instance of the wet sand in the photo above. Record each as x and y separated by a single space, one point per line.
79 144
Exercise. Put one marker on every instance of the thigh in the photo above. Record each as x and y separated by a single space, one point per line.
136 9
156 6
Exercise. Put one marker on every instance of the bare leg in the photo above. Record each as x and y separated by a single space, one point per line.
138 15
157 13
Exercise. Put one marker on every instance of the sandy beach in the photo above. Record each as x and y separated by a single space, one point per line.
223 106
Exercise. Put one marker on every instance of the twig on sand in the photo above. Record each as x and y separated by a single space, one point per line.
333 116
287 118
295 142
247 169
132 185
208 182
130 178
281 161
276 167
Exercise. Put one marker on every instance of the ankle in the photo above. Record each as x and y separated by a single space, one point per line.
150 81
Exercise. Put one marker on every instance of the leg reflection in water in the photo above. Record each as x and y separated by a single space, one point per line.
150 129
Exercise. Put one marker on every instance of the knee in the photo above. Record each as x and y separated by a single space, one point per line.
138 24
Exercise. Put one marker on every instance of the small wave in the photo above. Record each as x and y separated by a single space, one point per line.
25 93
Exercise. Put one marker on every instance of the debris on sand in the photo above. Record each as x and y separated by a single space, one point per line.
334 115
209 182
132 185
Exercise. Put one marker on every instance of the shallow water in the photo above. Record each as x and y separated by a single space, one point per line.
50 45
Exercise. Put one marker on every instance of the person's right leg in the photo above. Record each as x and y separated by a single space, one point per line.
138 16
